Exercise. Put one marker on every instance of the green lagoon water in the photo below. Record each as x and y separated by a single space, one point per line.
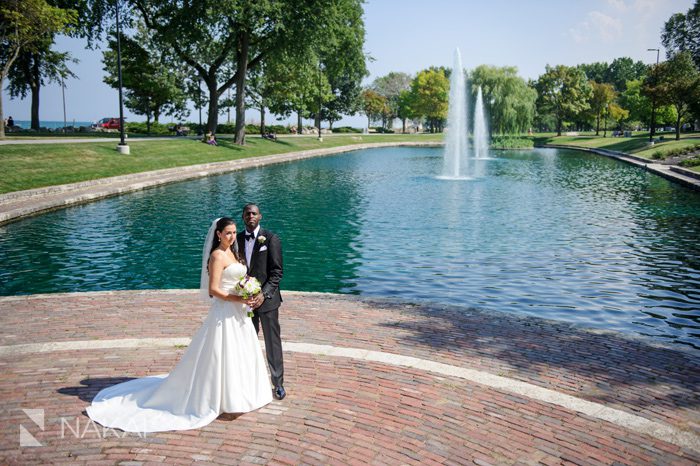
552 233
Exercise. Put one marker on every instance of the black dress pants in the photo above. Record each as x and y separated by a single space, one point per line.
273 343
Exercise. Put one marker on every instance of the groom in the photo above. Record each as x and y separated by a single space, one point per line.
263 255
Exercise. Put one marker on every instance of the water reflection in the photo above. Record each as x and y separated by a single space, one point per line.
552 233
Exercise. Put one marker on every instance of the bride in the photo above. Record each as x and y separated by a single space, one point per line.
222 370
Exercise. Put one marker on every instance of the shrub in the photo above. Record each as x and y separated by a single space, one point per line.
380 129
511 142
691 162
657 155
347 129
141 128
277 129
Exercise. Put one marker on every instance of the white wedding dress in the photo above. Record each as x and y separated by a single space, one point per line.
222 371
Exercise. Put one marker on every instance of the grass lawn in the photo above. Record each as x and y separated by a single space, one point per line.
637 144
27 166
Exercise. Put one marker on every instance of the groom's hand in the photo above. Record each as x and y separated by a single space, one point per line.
258 299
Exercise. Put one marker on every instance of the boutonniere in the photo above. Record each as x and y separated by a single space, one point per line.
261 239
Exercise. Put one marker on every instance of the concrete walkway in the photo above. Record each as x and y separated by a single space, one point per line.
369 382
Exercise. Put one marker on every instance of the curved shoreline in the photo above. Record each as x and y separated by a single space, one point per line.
687 178
21 204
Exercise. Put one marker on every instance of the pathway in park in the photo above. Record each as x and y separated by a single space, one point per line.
368 381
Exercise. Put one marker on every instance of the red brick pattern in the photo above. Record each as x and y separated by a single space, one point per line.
348 411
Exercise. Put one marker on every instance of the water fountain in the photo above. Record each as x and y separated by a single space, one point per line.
456 157
481 131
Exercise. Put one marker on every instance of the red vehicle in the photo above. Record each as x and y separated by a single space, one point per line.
107 123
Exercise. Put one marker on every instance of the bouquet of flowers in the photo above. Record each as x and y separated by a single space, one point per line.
247 287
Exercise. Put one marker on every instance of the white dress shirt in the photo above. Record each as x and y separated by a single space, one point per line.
250 245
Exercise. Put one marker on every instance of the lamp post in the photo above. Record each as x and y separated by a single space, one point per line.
123 147
652 130
320 138
63 93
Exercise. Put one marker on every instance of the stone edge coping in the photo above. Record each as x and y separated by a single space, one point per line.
674 173
394 301
40 200
639 424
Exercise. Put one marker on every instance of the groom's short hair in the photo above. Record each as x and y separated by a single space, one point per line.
250 204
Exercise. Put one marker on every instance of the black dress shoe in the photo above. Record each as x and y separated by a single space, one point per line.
280 393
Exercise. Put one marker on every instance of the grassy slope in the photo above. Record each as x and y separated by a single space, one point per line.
26 166
637 145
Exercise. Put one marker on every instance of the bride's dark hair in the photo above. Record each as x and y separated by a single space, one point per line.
220 225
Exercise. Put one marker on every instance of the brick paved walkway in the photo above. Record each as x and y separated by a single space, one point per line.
369 382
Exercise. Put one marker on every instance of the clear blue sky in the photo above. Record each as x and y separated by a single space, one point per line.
410 35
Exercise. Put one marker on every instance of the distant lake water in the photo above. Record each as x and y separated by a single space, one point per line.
552 233
50 124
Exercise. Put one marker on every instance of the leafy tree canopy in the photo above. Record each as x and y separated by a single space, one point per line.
682 33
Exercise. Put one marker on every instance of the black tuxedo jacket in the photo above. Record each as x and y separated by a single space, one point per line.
265 265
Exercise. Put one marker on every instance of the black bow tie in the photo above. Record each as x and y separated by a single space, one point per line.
249 236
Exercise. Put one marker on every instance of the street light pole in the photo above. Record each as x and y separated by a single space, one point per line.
63 92
320 138
652 130
123 147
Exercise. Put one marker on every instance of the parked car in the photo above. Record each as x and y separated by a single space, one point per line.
107 123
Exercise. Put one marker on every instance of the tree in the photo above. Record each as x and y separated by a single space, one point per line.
34 69
343 71
624 69
152 85
618 114
637 103
602 96
597 72
675 82
405 108
430 93
391 86
510 102
564 92
295 85
24 24
681 33
221 40
374 105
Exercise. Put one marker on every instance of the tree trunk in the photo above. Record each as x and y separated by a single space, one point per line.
605 126
213 117
369 122
242 66
34 85
2 116
148 122
403 127
559 124
678 125
299 122
597 124
262 119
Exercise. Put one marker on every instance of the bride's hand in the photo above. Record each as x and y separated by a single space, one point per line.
235 298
